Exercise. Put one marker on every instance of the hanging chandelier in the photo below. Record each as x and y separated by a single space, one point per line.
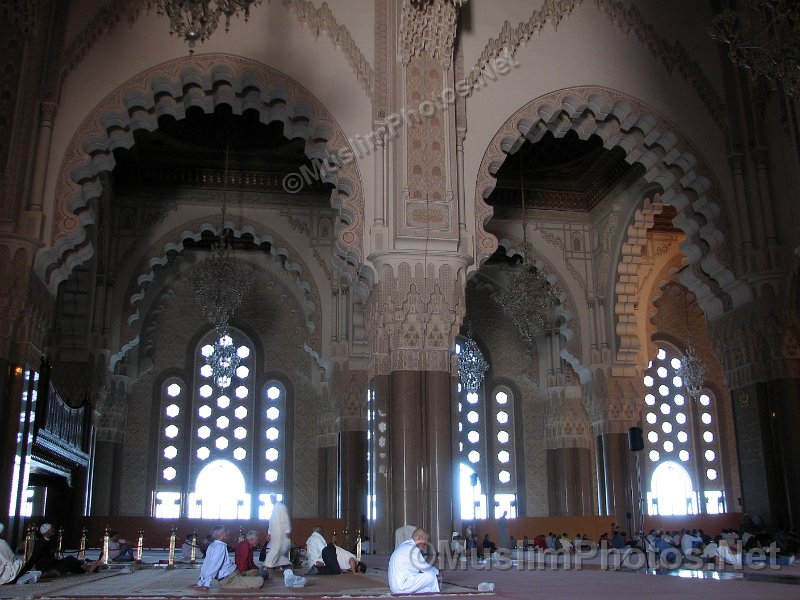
528 297
224 359
763 36
196 20
220 283
471 364
692 372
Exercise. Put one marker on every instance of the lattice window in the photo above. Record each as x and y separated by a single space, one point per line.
682 443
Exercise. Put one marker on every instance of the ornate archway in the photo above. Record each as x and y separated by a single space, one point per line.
171 88
647 139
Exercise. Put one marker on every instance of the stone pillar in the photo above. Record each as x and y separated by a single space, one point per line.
569 458
569 481
352 478
619 488
421 438
327 461
757 345
767 418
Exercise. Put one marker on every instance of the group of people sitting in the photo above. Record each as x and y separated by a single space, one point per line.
323 558
43 559
726 548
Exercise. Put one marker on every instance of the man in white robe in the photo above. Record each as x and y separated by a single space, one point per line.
409 572
314 546
9 565
279 529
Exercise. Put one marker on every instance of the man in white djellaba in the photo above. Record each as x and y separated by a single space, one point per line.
279 529
10 565
409 572
315 544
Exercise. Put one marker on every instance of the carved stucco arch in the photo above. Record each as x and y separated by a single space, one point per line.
647 139
173 243
627 285
171 88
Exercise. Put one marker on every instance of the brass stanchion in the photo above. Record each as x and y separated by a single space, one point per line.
241 534
82 547
333 540
346 538
60 545
140 545
358 545
30 540
193 558
106 538
171 557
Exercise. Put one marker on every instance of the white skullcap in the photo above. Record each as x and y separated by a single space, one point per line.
45 528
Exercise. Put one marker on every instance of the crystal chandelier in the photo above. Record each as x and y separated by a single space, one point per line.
220 283
763 36
692 370
471 364
196 20
224 359
528 297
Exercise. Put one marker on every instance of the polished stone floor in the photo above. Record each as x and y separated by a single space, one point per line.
516 580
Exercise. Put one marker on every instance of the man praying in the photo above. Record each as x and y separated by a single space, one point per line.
409 572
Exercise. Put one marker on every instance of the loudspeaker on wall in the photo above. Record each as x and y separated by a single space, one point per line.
635 439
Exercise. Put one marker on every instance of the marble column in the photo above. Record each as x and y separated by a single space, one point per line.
619 488
327 459
569 485
352 478
421 451
767 418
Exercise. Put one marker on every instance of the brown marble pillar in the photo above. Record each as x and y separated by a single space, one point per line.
767 418
421 450
407 447
352 478
440 389
569 481
620 483
327 459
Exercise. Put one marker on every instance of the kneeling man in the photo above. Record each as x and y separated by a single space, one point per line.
409 572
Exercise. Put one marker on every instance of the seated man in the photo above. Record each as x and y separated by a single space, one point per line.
244 554
9 565
409 572
118 549
44 558
219 566
189 543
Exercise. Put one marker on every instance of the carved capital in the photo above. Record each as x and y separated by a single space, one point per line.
428 29
414 316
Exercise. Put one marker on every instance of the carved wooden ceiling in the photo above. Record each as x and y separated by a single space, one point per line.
567 174
190 153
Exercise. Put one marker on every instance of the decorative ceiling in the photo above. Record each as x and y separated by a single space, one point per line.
190 153
566 173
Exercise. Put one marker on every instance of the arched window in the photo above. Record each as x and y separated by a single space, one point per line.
681 443
222 441
503 440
